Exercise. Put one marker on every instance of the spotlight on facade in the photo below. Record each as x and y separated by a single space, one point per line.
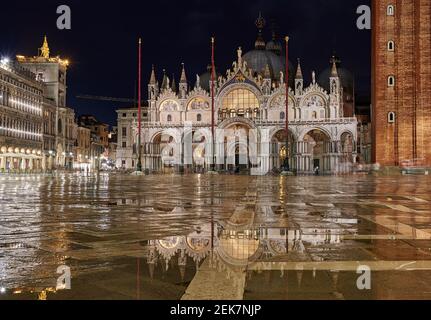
2 290
5 60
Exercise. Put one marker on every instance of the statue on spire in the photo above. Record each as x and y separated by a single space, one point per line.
239 52
198 81
44 51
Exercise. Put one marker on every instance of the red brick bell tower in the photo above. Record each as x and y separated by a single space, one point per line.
401 84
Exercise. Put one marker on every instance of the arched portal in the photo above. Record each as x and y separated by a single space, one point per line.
317 145
279 151
195 151
239 152
347 146
164 153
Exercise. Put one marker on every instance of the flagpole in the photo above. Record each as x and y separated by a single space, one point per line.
286 166
212 102
139 165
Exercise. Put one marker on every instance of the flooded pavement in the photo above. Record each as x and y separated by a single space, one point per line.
215 237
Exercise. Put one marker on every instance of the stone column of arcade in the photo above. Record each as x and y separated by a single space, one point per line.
44 163
22 162
2 164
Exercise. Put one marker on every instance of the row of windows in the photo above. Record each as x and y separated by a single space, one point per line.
21 85
240 99
198 118
144 115
390 11
22 94
21 102
20 129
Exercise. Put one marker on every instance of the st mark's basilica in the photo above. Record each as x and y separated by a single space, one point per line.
250 118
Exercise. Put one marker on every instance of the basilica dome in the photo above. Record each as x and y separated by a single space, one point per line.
205 78
274 46
258 59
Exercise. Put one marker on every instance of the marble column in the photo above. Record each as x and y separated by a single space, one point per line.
23 164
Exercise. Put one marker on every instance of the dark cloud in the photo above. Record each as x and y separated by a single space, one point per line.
102 43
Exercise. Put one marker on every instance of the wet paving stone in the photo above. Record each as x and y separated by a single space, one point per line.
215 237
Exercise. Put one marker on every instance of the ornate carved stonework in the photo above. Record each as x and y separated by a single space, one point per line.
169 106
313 101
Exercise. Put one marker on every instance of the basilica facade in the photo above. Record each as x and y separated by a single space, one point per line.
250 117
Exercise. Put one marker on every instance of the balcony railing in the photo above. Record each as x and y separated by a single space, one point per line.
258 122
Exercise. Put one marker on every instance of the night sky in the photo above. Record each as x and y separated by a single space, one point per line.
102 43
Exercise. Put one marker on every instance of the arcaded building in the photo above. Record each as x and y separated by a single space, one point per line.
21 121
250 117
401 82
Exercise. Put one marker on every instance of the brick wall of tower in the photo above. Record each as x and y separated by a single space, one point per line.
410 28
423 93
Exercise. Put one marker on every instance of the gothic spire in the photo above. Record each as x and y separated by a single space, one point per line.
153 76
183 75
174 84
44 50
299 75
165 82
334 72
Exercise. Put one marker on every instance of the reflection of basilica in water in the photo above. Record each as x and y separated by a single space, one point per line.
230 247
250 99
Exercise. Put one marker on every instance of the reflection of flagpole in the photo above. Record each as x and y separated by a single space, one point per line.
139 166
212 102
138 279
287 168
